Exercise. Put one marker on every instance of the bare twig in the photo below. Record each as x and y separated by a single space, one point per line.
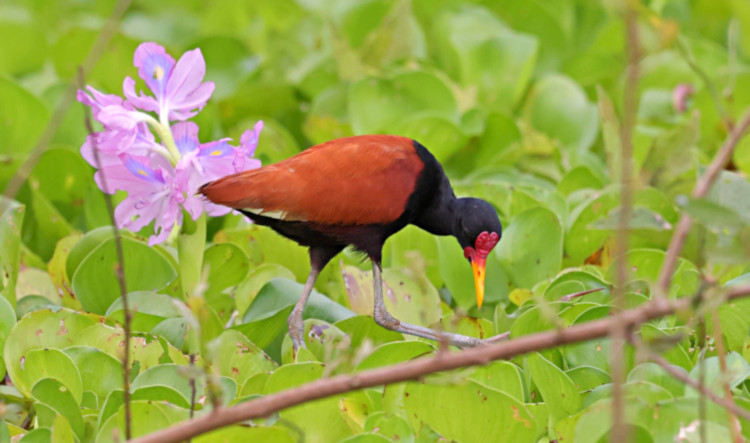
730 406
622 240
702 186
416 369
575 295
734 424
119 268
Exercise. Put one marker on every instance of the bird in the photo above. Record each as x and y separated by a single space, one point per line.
359 191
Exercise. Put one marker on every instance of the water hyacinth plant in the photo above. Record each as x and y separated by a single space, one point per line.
160 177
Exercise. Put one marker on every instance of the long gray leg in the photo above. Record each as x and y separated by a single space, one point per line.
295 322
384 319
319 258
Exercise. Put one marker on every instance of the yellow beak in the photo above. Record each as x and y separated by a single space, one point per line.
478 267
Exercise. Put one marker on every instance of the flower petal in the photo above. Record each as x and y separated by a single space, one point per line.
154 67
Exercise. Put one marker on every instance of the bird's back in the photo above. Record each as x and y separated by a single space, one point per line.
361 180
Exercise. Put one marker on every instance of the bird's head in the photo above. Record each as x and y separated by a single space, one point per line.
478 230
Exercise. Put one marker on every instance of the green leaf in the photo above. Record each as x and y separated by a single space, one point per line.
11 221
319 420
94 281
237 357
714 379
410 298
56 396
459 412
256 278
228 62
479 50
531 248
147 309
52 364
441 136
146 417
101 373
393 427
378 105
226 266
558 390
503 376
30 50
362 328
391 353
243 433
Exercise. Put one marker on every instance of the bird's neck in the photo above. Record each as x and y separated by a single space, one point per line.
441 216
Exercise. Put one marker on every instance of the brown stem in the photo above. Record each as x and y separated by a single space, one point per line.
416 369
730 406
622 240
734 424
702 186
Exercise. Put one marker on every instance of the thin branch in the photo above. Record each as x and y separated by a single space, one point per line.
416 369
119 267
101 43
734 424
730 406
618 333
702 186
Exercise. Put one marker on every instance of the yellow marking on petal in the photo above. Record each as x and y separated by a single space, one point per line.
158 73
216 153
142 172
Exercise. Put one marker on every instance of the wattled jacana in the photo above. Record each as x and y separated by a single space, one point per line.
359 191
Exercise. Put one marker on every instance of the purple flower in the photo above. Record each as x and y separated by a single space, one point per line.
681 96
161 177
178 88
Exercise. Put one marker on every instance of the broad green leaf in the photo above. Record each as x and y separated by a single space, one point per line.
393 427
362 328
479 50
147 309
100 372
146 417
714 378
378 105
226 265
243 433
408 297
558 390
503 376
95 283
62 431
459 412
319 420
256 278
237 357
655 374
55 395
396 352
30 50
586 378
53 364
11 220
324 342
559 107
531 248
441 136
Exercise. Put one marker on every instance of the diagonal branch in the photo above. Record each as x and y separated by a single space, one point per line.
726 403
702 186
416 369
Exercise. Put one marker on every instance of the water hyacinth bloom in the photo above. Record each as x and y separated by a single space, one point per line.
159 160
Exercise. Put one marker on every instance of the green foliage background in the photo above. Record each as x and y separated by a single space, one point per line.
521 100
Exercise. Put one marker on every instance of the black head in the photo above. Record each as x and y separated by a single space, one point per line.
478 230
